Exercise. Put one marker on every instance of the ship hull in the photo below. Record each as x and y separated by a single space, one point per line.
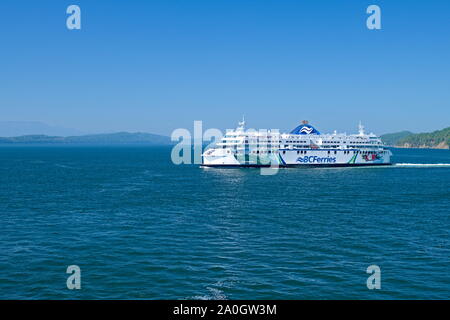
341 165
301 158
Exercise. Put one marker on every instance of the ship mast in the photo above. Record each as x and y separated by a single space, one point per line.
241 124
361 129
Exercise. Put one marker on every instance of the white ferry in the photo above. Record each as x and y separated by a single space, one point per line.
303 146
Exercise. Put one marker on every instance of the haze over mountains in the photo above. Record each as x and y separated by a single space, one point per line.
106 138
21 128
33 132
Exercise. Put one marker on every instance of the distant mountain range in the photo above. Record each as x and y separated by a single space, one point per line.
107 138
439 139
22 128
405 139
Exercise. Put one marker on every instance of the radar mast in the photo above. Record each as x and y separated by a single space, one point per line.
361 129
241 124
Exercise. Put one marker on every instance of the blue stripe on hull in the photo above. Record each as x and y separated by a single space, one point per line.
297 165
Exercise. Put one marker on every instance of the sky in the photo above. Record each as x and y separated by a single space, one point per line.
158 65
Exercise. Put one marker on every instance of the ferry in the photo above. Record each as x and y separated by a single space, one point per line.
304 146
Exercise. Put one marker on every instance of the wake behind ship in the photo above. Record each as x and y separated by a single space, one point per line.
303 146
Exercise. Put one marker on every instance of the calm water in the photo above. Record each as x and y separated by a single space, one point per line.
140 227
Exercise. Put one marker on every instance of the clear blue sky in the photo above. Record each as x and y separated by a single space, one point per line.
159 65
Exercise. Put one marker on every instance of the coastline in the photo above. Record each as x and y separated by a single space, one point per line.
440 146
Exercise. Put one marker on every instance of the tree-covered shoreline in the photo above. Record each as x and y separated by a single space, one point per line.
439 139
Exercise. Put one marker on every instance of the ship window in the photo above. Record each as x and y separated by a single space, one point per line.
284 152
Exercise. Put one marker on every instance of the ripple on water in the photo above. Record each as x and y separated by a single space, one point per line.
140 227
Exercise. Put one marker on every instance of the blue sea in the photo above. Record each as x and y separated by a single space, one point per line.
140 227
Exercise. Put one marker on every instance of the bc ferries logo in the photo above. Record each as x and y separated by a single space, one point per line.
316 159
307 130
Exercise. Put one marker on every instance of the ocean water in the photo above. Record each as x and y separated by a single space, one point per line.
140 227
